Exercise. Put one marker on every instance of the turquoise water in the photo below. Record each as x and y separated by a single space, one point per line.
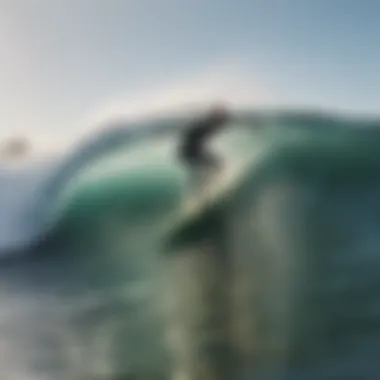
278 276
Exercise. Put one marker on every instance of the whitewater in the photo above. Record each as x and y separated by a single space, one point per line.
111 269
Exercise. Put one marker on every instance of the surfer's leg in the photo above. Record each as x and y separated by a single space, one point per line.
198 164
199 175
193 167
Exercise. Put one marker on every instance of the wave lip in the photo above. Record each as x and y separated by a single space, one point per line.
28 196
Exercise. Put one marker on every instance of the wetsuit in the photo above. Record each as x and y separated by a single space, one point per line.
193 150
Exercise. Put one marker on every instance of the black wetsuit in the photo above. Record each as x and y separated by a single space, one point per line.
193 150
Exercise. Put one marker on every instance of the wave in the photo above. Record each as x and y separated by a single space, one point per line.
30 194
288 256
287 243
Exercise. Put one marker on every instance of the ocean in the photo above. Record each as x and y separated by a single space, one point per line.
105 273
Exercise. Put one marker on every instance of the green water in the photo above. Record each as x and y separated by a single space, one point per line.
280 276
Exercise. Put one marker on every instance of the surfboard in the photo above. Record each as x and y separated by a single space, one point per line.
216 185
200 209
204 204
211 186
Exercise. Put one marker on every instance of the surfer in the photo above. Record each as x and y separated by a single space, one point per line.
192 150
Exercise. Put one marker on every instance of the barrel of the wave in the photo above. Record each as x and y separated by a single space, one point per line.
199 328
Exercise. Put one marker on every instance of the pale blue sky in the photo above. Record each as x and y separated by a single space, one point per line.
61 60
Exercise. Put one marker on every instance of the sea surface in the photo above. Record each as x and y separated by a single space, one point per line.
105 274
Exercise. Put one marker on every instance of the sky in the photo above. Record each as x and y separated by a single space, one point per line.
65 64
